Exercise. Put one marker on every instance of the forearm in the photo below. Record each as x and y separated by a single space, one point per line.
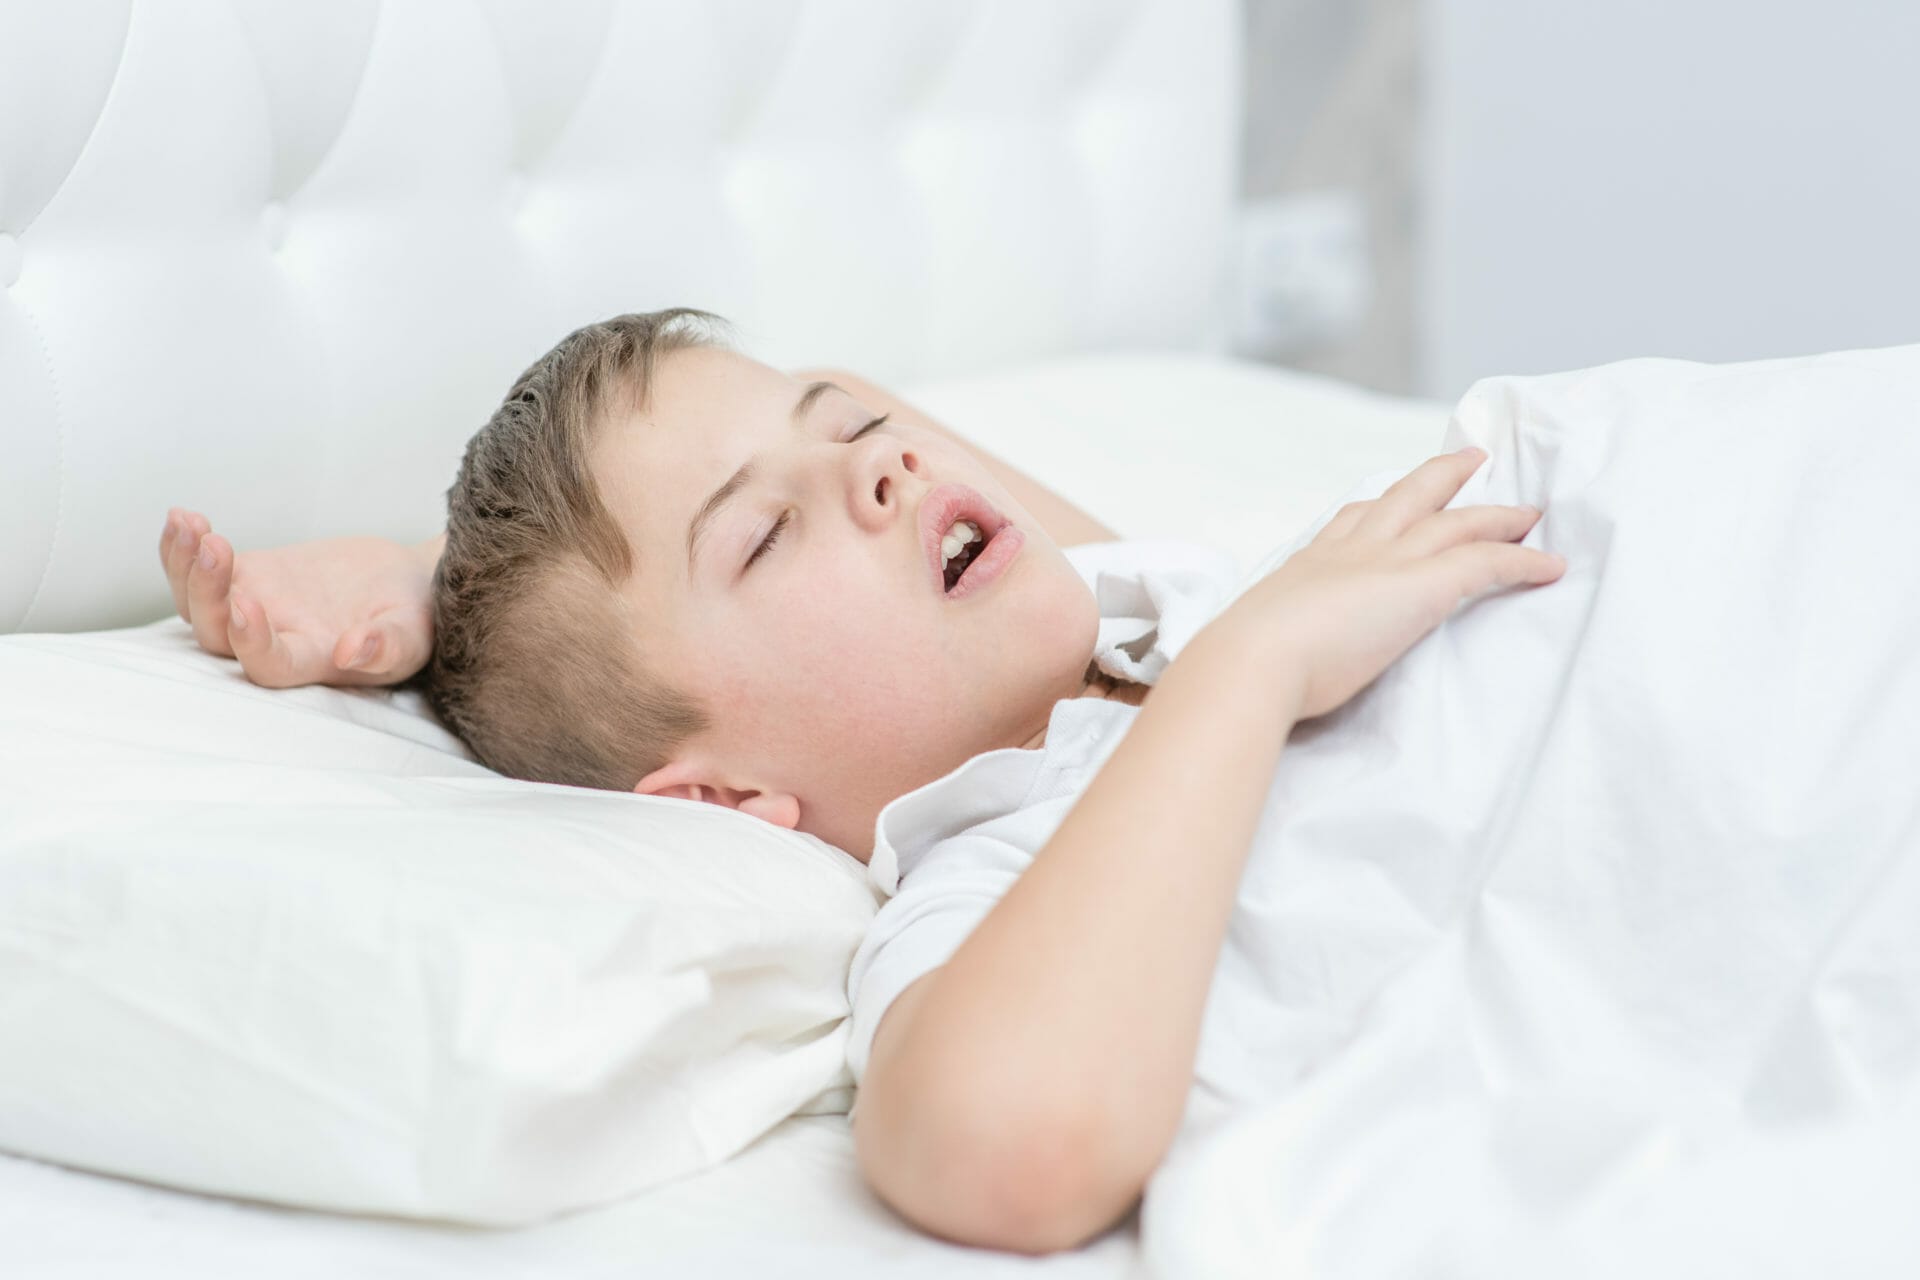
1046 1068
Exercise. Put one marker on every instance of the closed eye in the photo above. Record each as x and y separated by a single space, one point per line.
773 534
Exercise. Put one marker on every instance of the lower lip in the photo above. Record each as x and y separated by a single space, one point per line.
990 564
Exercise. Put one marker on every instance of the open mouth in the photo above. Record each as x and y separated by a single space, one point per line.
957 528
966 541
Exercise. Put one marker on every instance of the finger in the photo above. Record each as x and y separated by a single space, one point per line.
1421 492
265 653
1444 529
180 551
388 649
168 532
359 649
207 583
1489 566
250 633
369 654
1345 519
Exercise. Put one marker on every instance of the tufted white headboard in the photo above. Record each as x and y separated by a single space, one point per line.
278 260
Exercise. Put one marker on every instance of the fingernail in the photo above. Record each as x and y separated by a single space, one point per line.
238 618
206 556
365 655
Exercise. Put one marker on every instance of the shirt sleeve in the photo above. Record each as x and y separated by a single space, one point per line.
948 893
920 927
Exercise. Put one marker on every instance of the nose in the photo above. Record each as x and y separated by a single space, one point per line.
884 479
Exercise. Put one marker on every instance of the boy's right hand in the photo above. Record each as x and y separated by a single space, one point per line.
1379 576
304 614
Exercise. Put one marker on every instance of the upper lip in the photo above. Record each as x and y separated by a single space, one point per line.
939 509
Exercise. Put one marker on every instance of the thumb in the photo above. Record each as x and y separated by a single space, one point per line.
357 648
393 644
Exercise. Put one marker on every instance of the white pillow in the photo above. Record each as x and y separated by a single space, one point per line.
299 947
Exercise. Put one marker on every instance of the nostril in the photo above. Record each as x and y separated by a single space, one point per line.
880 492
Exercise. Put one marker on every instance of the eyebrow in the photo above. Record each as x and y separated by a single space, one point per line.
738 480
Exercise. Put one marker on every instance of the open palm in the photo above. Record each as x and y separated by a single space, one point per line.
341 611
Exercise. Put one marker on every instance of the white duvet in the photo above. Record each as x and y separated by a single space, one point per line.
1586 942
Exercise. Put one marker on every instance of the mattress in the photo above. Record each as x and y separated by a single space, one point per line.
1234 454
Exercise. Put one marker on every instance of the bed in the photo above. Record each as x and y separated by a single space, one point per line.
1583 945
276 262
791 1205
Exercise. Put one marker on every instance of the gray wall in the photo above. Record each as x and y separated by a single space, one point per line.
1713 180
1550 184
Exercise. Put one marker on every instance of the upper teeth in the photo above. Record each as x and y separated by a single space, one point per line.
963 532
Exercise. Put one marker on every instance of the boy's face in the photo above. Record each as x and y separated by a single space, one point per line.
838 673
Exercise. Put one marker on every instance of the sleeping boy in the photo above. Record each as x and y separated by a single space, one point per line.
672 570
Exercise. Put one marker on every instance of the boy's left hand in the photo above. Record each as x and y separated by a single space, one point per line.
303 614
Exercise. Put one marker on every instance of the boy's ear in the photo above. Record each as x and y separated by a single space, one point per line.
684 781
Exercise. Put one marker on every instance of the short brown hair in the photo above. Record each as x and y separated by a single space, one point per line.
535 661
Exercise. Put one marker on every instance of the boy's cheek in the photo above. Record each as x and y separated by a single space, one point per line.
812 634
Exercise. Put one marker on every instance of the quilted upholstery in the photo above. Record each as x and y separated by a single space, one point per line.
278 260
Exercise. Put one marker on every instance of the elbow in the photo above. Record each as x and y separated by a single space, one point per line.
1012 1180
1056 1189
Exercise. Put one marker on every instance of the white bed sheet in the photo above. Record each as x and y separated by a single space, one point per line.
1221 451
1582 942
791 1205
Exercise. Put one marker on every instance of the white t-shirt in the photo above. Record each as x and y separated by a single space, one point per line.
946 852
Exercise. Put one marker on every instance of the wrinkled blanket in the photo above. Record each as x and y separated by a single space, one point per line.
1586 942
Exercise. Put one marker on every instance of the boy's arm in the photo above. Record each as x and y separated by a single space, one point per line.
1065 523
1020 1095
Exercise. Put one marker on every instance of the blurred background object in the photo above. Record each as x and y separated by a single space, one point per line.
1326 272
1444 190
